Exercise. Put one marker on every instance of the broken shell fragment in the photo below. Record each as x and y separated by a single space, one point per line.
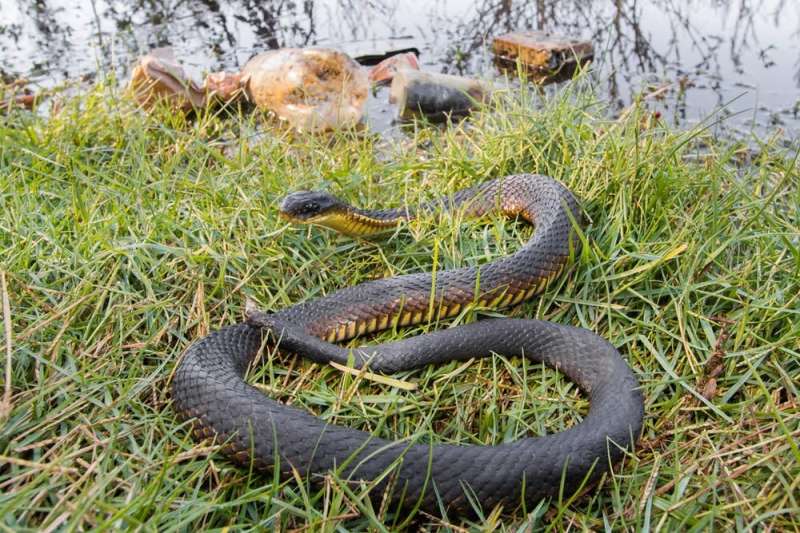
25 101
313 89
385 71
224 86
158 77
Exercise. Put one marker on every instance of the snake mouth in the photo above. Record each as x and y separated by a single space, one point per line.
328 219
288 217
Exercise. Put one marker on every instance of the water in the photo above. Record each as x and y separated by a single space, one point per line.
743 54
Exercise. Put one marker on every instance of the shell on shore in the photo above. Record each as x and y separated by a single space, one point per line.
314 89
158 76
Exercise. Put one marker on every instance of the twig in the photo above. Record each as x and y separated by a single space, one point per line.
660 91
5 406
42 467
377 378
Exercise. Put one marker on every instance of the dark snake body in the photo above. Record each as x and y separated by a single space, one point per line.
258 431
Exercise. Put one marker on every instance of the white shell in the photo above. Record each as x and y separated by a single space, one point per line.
314 89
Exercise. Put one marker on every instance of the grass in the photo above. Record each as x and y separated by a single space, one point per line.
125 237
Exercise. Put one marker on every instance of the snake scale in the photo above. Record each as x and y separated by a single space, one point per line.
259 432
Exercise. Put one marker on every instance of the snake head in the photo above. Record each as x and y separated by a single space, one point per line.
307 207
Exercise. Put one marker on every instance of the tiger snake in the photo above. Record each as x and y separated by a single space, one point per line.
267 435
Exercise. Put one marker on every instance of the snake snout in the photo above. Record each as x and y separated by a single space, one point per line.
304 206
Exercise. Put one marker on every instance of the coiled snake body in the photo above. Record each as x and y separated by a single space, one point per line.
261 432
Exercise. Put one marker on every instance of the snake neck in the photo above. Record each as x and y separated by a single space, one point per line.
355 222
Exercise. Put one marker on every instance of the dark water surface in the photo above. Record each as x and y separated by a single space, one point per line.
741 53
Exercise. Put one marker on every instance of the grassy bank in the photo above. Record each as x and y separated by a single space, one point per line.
125 237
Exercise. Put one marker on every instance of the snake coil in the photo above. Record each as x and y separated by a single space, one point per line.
209 387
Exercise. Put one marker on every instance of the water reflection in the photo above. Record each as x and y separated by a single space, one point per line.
711 51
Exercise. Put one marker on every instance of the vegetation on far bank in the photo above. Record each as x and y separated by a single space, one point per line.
124 237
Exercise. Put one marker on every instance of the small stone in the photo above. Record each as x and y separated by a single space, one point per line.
709 389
